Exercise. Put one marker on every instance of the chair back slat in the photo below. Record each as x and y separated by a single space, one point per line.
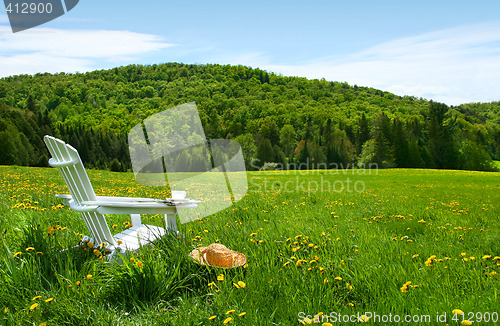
74 175
68 161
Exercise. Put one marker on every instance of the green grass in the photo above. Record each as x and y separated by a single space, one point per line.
355 250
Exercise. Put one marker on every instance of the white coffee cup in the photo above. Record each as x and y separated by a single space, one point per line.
178 194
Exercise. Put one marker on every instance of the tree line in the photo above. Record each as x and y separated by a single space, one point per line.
278 120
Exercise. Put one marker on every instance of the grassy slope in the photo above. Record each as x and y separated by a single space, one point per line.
375 241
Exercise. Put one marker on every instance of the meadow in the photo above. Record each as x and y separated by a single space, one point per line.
322 248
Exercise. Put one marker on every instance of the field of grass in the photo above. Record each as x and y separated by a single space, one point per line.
315 254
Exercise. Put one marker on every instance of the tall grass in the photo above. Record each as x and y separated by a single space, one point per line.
310 252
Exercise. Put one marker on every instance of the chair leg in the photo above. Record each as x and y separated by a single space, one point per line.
136 219
171 223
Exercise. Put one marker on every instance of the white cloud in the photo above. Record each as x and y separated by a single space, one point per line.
52 50
3 19
453 66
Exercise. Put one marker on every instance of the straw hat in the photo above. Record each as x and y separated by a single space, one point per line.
218 255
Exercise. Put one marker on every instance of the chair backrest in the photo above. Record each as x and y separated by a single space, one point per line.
67 160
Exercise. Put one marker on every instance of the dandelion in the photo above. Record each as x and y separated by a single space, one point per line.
17 254
49 300
457 312
363 319
33 306
220 278
89 277
496 258
37 297
227 320
211 284
466 322
30 249
132 259
97 252
253 234
463 254
415 256
486 256
242 314
286 263
78 283
327 324
43 324
338 278
230 311
242 284
39 253
212 317
6 310
90 244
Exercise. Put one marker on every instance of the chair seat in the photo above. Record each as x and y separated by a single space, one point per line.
137 236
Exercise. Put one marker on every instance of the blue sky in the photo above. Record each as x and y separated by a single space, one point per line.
448 51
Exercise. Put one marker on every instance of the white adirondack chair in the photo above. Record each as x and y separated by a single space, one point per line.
92 207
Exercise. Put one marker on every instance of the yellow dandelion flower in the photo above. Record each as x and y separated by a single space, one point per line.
245 266
286 263
49 299
230 311
33 306
39 253
211 284
486 256
140 264
493 273
119 242
90 244
404 288
77 283
496 258
227 320
17 254
89 277
415 256
97 252
466 322
242 284
253 234
457 312
236 285
338 278
37 297
242 314
363 319
295 249
212 317
327 324
43 324
132 259
30 249
311 245
350 304
6 310
220 278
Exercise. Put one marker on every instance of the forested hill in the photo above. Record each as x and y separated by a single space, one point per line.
276 119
